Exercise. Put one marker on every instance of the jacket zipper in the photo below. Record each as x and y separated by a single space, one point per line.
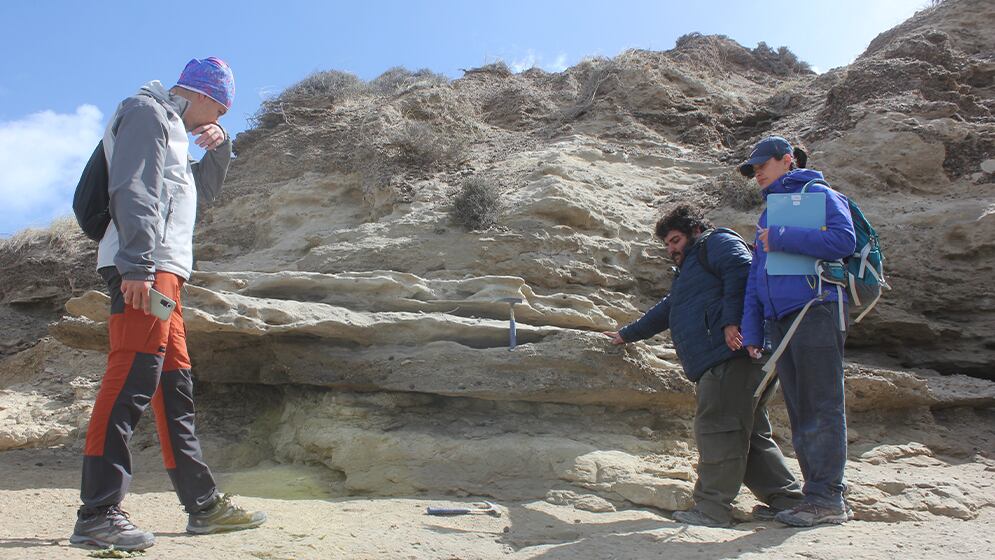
165 225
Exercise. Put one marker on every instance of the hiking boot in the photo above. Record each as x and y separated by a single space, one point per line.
695 517
809 515
109 526
224 516
763 512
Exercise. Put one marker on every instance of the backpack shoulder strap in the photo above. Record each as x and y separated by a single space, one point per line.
703 250
822 182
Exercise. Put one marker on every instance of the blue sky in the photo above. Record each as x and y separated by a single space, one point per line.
66 64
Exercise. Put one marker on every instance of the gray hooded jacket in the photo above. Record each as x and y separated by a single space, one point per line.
154 185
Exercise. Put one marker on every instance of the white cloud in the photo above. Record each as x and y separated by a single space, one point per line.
558 65
41 157
532 60
267 92
524 63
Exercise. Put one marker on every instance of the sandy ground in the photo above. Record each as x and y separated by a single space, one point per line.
38 496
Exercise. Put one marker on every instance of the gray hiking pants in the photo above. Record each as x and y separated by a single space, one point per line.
734 443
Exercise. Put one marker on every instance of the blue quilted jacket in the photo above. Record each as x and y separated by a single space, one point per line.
700 304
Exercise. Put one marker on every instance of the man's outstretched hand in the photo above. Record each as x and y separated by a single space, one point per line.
616 338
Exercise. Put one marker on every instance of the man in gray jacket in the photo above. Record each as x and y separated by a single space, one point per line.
154 186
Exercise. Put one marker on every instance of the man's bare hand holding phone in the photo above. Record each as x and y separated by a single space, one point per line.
142 296
136 294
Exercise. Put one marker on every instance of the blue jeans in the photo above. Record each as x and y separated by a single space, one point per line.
811 376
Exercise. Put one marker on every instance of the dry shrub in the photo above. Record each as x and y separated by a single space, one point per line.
732 189
594 72
399 79
739 192
687 39
62 234
47 265
333 85
327 87
422 146
781 62
476 204
499 68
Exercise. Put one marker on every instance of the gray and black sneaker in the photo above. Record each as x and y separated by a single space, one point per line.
696 517
224 516
109 526
810 515
763 512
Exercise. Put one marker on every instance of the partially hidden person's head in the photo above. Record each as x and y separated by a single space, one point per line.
679 229
771 158
209 85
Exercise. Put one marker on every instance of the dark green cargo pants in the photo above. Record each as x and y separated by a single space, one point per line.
735 445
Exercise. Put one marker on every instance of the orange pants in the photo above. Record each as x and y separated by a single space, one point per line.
147 363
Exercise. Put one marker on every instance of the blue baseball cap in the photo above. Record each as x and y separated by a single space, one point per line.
764 150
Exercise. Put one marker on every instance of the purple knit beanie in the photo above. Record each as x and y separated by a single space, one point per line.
210 76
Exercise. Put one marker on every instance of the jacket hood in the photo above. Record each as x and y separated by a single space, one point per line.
159 92
792 181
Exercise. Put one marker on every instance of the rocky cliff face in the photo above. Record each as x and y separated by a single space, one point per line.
585 161
338 290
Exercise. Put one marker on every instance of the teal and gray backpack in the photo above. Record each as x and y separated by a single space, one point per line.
862 273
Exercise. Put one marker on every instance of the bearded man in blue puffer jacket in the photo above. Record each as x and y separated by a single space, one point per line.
703 311
811 368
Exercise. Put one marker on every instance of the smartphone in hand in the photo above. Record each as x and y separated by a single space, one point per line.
162 306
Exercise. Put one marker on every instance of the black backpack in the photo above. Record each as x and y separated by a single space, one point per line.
91 202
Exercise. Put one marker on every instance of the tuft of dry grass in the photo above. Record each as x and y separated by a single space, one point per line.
476 204
399 80
330 87
422 146
62 233
734 190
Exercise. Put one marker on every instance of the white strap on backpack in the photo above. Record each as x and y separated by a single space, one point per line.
771 366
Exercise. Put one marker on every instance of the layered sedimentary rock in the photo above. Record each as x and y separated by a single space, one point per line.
342 315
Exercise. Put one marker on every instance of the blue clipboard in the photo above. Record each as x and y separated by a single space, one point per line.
807 210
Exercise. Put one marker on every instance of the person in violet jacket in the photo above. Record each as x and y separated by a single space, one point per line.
811 368
702 311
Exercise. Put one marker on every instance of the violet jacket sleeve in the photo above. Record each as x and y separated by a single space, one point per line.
752 327
836 241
